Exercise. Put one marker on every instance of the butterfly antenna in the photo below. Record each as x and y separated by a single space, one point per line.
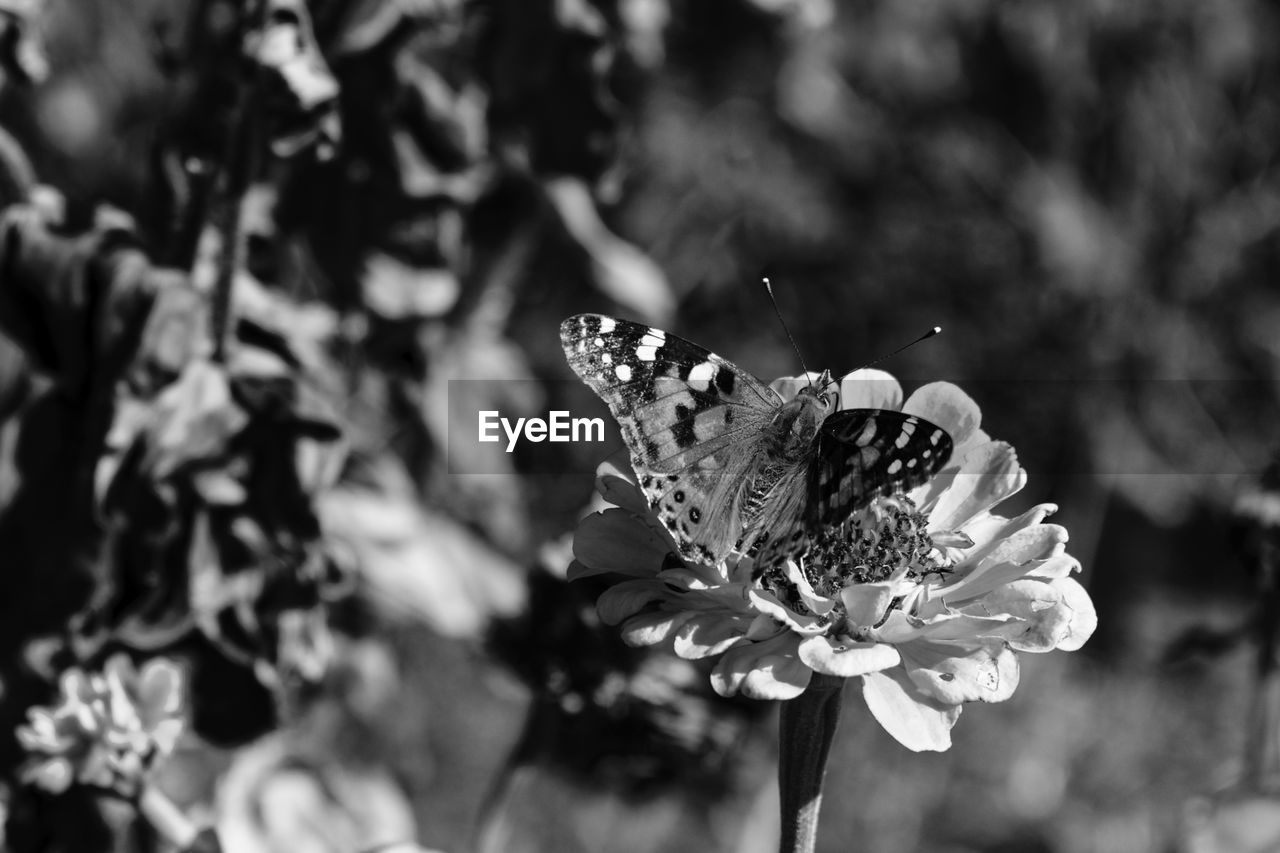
768 286
929 334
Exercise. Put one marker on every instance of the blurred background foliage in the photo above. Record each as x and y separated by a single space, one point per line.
1081 193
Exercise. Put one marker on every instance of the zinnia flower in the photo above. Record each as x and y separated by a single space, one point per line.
107 730
926 596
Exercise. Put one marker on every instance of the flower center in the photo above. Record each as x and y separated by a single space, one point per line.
889 536
888 539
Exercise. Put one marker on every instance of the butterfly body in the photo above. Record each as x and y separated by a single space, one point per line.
727 464
792 431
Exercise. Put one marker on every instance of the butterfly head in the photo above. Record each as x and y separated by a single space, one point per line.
825 390
797 420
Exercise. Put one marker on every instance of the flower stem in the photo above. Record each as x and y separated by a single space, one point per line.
805 733
1262 755
168 820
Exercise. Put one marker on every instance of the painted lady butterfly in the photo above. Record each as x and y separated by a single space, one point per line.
726 463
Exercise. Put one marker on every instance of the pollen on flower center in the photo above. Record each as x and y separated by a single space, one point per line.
889 536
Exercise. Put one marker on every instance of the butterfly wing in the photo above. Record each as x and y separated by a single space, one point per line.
866 453
693 423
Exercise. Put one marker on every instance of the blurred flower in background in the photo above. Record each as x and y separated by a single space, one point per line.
109 729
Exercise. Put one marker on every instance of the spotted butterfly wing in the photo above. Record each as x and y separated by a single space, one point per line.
867 453
694 424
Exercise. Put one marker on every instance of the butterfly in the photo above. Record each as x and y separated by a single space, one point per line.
725 463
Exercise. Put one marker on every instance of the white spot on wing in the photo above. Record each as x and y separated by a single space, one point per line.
895 466
599 342
607 325
911 463
903 439
936 437
701 374
654 338
646 353
623 372
607 358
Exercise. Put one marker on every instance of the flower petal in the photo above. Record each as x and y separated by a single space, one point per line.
74 685
766 670
707 634
1057 567
166 733
846 659
914 720
870 389
1084 617
40 734
628 598
159 687
54 775
616 483
767 602
1056 614
819 604
947 406
615 541
95 767
649 629
987 475
1011 558
953 673
866 603
988 530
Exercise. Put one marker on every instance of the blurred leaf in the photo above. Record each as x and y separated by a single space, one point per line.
622 271
21 54
398 291
302 96
272 801
418 564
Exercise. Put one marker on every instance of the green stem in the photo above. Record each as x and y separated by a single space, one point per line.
805 733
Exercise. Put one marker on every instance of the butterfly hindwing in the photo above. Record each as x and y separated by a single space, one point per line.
866 453
692 421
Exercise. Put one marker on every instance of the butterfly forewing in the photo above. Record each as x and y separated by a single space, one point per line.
692 421
867 453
